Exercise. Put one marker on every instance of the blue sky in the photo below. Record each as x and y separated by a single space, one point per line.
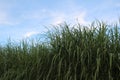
20 19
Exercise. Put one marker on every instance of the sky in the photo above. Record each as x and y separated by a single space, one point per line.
20 19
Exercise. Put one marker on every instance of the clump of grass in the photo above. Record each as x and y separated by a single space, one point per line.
77 53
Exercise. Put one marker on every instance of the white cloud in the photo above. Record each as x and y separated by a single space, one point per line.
117 5
29 34
3 18
6 18
35 14
57 18
80 17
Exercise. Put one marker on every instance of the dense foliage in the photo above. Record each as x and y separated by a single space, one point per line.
72 53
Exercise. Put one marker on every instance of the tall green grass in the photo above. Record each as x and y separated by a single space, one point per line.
71 53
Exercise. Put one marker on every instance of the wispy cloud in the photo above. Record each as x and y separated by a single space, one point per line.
117 4
29 34
72 17
35 14
5 14
80 17
57 16
3 18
